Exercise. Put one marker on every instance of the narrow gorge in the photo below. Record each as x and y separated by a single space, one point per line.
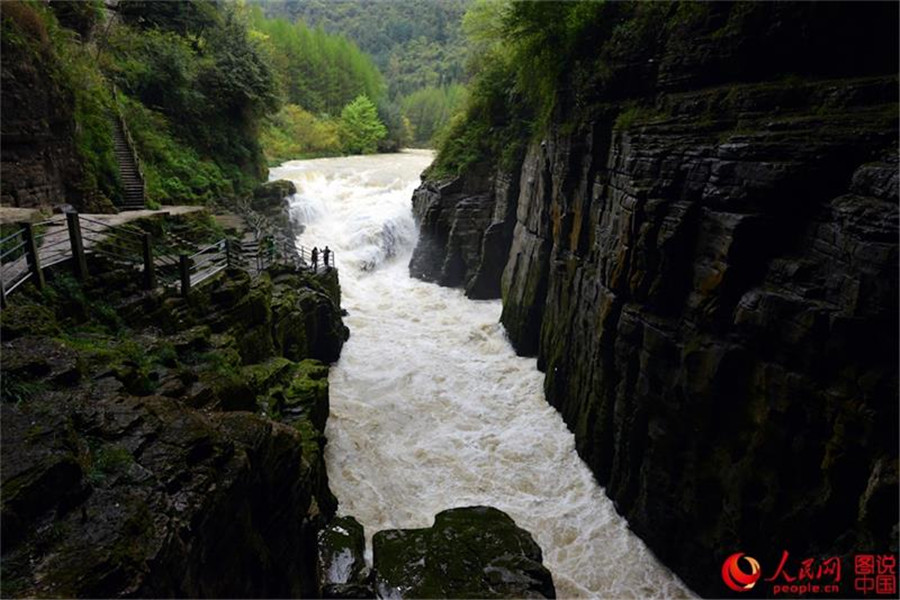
701 251
432 410
624 326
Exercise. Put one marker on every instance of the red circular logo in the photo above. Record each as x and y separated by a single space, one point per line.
735 577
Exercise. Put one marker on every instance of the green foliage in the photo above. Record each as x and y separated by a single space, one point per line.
70 303
174 171
636 115
524 54
93 136
204 87
15 389
399 128
361 129
107 459
235 76
492 128
80 16
184 18
319 71
294 133
415 43
25 29
543 40
430 109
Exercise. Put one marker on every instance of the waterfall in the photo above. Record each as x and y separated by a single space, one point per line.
430 406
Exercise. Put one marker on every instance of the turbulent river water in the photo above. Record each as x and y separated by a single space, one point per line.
430 407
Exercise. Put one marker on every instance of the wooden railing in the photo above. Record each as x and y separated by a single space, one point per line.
162 262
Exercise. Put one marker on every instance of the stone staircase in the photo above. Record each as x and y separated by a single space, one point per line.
129 170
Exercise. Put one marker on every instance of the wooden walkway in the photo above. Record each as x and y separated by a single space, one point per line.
164 262
53 241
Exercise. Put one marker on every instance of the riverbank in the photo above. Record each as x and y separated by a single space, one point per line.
430 407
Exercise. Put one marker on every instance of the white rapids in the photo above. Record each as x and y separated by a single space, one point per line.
430 407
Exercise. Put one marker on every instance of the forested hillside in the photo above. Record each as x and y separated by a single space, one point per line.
199 86
319 74
417 44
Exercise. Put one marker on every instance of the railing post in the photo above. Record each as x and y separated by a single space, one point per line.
184 262
149 268
79 262
31 252
228 252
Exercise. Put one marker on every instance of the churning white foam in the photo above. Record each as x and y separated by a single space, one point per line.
430 407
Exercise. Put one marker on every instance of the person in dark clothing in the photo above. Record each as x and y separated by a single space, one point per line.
315 259
327 254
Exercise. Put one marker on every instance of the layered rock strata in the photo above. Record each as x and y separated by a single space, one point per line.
705 264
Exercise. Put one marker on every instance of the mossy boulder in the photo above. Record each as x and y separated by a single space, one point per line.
249 387
306 396
27 319
289 326
472 552
118 486
271 194
195 339
306 315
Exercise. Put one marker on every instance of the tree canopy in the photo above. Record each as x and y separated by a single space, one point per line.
361 129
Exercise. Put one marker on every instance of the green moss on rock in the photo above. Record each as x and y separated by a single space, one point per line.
27 319
473 552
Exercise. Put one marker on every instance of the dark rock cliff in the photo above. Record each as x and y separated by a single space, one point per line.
40 162
466 226
705 263
182 456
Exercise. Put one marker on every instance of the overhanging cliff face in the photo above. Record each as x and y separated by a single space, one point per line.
710 284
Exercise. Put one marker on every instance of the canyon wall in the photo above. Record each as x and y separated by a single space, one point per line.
180 454
40 163
705 264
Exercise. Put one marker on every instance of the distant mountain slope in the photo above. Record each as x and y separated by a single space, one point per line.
415 43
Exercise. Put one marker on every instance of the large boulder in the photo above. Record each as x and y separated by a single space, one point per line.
472 552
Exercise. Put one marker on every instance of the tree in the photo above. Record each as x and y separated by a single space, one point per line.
184 18
361 129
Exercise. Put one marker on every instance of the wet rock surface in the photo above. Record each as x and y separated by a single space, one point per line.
270 202
465 228
710 284
182 456
145 497
473 552
342 566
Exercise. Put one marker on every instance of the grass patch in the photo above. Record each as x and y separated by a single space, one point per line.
106 460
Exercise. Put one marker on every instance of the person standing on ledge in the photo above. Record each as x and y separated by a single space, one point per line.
327 253
315 259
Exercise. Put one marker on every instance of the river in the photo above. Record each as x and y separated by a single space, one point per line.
430 407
